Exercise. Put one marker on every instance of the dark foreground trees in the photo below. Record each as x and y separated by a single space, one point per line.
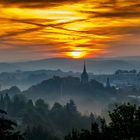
8 129
124 125
55 121
42 122
39 133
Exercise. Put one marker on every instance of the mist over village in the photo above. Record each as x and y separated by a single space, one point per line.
69 70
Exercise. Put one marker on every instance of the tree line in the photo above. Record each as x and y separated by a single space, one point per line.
38 121
51 122
124 125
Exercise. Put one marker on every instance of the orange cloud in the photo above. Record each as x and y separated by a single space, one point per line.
60 28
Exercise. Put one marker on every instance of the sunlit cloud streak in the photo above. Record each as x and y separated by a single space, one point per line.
56 28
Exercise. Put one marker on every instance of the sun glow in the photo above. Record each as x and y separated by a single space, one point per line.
77 54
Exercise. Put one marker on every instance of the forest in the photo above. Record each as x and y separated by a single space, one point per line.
37 120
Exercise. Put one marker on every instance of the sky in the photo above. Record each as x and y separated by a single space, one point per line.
38 29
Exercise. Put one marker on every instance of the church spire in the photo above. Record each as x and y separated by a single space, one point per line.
84 75
84 71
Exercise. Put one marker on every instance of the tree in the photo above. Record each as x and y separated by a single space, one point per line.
40 104
74 135
8 129
7 101
1 102
125 122
18 105
71 107
29 104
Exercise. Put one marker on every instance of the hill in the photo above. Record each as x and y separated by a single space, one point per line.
96 66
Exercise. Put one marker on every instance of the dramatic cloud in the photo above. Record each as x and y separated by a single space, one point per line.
34 3
55 28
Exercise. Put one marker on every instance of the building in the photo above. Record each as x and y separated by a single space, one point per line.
84 75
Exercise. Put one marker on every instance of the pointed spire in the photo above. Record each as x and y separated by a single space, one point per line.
84 71
84 75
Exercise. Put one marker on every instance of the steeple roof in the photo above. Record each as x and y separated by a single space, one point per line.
84 75
84 70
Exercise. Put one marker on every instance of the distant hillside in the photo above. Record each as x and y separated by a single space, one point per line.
25 79
97 65
8 67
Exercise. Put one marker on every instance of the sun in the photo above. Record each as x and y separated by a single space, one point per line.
77 54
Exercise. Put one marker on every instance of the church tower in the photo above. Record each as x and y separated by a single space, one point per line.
84 75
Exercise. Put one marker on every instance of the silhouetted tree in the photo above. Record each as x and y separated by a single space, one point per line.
125 122
8 129
1 102
71 107
7 101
